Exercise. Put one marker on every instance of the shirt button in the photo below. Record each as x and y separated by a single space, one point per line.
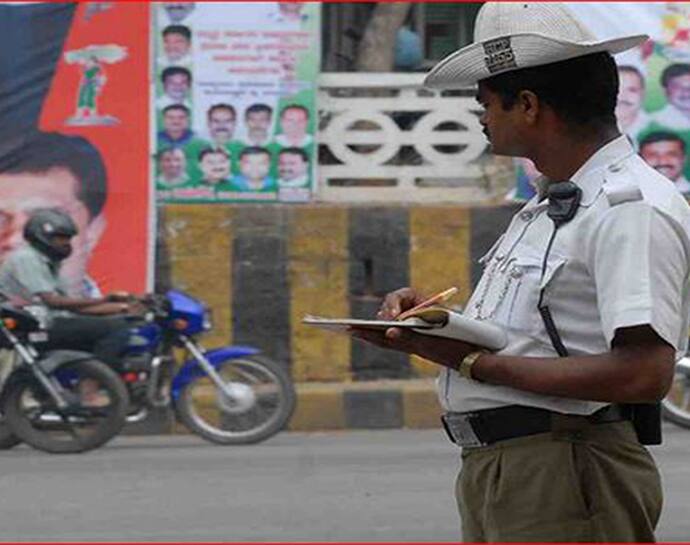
526 216
615 168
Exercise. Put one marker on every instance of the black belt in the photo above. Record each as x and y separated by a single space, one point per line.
481 428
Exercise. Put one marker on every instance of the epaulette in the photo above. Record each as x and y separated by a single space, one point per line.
618 188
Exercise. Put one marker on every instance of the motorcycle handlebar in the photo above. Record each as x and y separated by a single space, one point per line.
156 303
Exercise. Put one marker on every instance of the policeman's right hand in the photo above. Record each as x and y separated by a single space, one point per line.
399 301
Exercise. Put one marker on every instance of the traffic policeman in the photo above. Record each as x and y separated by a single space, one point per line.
590 281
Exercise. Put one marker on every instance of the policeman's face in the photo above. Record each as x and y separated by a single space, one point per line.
678 92
175 123
630 96
501 126
172 164
255 166
294 123
176 86
666 156
175 46
258 124
221 125
21 194
215 166
291 166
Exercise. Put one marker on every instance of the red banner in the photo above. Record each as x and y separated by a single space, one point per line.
100 93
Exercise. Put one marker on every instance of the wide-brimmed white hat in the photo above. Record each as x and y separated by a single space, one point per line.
513 35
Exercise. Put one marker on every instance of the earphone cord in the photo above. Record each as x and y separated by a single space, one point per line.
549 324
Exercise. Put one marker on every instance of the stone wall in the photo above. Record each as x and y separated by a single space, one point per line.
261 268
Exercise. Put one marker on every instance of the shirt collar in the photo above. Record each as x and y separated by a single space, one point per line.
54 266
589 176
40 255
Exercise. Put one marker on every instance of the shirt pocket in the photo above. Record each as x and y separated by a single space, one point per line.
523 313
473 308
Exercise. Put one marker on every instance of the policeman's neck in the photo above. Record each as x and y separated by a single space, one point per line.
562 155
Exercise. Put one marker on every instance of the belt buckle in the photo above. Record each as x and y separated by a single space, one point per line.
459 429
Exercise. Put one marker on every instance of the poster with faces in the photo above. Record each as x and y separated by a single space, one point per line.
653 108
235 87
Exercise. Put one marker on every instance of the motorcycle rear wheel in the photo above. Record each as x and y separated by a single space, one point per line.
7 438
264 409
675 406
8 362
32 416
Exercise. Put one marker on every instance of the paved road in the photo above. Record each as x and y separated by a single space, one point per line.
393 485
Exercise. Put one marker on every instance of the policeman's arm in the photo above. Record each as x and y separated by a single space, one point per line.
638 369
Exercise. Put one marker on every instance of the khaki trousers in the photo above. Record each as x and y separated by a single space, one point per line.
580 483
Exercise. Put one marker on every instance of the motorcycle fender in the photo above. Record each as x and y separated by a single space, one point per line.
191 369
21 375
55 358
48 363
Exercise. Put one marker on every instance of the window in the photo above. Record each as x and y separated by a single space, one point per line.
445 27
442 28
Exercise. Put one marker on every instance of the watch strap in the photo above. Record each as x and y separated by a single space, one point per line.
465 367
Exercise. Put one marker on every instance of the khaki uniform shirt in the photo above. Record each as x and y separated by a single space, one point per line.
624 260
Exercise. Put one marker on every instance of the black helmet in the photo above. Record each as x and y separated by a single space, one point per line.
43 225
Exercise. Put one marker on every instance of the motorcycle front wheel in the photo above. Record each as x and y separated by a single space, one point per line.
261 402
97 407
676 405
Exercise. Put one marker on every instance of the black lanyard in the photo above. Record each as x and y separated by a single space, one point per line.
564 200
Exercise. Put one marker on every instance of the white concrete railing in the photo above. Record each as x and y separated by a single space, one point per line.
434 153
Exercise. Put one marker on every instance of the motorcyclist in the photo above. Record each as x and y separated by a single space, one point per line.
31 275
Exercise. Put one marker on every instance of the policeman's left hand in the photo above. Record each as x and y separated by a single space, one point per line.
446 352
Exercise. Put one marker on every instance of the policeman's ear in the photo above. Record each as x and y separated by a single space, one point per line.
94 231
529 106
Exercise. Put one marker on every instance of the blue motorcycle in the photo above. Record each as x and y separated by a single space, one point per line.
230 395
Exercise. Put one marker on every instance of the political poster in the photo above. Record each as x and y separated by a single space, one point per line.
234 101
653 107
73 90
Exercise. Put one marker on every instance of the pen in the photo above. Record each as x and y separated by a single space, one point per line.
438 298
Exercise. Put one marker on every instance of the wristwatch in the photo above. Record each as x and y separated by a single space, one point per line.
465 367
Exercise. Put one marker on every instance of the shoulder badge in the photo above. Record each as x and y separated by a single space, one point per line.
618 188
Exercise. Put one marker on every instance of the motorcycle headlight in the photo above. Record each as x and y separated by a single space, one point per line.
208 319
